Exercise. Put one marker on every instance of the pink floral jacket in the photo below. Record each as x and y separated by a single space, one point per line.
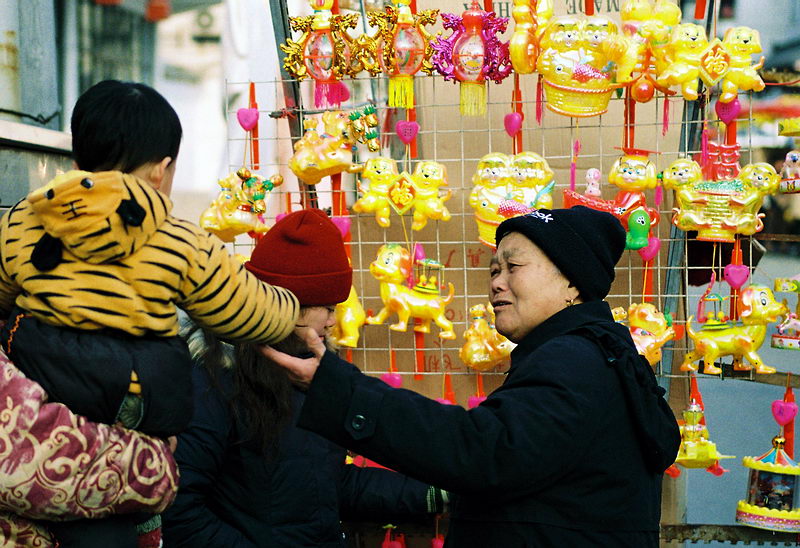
55 465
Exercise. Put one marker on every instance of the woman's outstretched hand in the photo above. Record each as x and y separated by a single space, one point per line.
301 370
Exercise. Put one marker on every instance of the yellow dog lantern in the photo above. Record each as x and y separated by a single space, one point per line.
392 268
757 308
484 348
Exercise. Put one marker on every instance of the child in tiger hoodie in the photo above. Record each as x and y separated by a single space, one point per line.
93 269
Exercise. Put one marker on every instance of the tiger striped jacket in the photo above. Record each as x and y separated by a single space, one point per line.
110 254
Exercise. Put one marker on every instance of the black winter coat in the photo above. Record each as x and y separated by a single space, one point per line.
232 496
569 451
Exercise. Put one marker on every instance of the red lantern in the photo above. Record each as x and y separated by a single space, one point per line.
403 56
157 10
319 58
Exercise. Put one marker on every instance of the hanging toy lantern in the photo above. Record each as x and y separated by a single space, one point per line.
472 54
322 52
772 495
576 63
404 48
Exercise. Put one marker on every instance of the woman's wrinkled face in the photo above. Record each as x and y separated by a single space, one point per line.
525 288
319 318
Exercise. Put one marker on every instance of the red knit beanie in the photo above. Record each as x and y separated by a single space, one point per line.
304 252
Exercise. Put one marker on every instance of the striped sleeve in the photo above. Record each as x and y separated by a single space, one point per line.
8 251
222 295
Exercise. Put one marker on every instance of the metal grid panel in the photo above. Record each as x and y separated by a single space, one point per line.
458 143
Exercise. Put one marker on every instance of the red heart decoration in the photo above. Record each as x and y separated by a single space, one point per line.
392 379
728 112
248 118
513 123
784 411
437 542
736 274
444 401
406 130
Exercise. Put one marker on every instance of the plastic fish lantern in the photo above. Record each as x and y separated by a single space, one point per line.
240 205
322 52
472 54
576 62
404 48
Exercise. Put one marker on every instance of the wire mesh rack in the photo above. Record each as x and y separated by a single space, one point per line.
668 130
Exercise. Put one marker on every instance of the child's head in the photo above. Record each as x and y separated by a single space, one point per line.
128 127
304 252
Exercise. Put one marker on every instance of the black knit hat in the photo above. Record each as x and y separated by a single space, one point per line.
585 244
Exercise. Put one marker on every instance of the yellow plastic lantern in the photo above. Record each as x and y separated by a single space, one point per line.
576 61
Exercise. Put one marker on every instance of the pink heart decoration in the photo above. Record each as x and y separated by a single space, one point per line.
392 379
784 411
437 542
649 252
475 401
736 274
406 130
248 118
419 252
444 401
343 224
513 123
728 112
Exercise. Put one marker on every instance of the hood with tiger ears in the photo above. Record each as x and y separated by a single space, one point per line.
97 217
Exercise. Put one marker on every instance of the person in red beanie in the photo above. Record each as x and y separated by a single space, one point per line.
249 476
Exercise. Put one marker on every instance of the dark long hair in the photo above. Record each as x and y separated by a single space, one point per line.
261 400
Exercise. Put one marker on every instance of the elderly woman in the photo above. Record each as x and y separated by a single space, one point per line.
571 449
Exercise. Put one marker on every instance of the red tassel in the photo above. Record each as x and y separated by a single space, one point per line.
589 7
788 429
539 101
700 9
665 120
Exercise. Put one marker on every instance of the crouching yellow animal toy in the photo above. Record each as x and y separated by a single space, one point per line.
350 316
484 348
650 330
240 205
757 308
392 268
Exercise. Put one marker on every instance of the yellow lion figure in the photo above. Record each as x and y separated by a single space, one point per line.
428 177
392 268
686 45
741 43
377 175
